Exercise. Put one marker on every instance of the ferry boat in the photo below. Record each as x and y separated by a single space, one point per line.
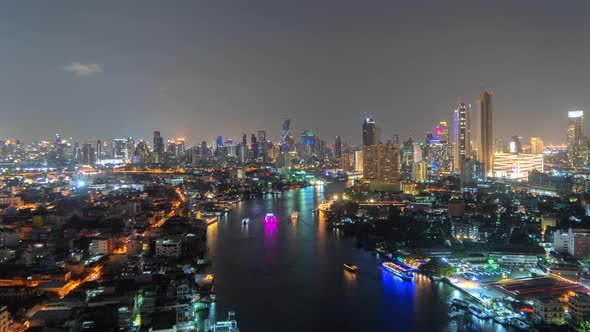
245 221
519 324
350 267
397 270
479 312
294 215
270 218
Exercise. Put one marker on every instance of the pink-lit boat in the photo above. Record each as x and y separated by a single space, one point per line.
270 218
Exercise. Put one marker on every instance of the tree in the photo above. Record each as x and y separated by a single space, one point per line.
437 267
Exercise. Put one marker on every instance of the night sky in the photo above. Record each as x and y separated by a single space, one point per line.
106 69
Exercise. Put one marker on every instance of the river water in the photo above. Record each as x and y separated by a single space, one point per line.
289 276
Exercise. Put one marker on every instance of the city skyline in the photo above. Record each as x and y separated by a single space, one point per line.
191 69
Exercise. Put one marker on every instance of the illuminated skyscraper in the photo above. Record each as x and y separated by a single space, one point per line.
442 132
537 145
381 163
286 137
370 132
308 143
337 147
262 145
87 154
407 158
253 146
462 135
577 142
158 143
120 149
515 145
485 153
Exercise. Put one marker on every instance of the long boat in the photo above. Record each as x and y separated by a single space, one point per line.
479 312
399 271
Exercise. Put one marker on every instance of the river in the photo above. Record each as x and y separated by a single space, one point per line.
289 276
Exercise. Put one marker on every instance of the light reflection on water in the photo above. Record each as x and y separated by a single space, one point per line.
290 276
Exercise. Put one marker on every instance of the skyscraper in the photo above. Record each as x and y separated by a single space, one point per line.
442 132
87 154
369 132
577 143
158 143
462 128
262 145
381 163
337 147
537 145
485 152
286 140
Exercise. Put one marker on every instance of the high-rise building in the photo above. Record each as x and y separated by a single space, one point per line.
442 132
381 163
120 149
158 143
370 136
537 145
253 146
87 155
485 153
286 137
499 146
515 145
407 158
262 145
308 143
337 147
462 133
577 142
98 151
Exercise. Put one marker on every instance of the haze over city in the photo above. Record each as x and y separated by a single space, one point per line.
194 68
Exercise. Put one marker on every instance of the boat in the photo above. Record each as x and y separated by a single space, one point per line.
245 221
350 267
459 303
519 324
479 312
398 270
270 218
294 215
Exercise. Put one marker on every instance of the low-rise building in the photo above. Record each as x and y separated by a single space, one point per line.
579 307
549 310
168 248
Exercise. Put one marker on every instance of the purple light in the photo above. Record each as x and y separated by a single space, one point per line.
270 218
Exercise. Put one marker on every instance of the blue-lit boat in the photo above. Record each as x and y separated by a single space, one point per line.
270 218
398 270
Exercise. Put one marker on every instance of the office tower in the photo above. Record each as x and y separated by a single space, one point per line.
499 146
141 154
119 149
407 158
204 152
419 171
262 148
537 145
180 147
370 136
337 147
358 161
87 154
381 163
242 153
245 140
442 132
485 153
308 143
253 146
577 143
98 151
515 145
440 158
462 135
418 151
286 138
158 143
